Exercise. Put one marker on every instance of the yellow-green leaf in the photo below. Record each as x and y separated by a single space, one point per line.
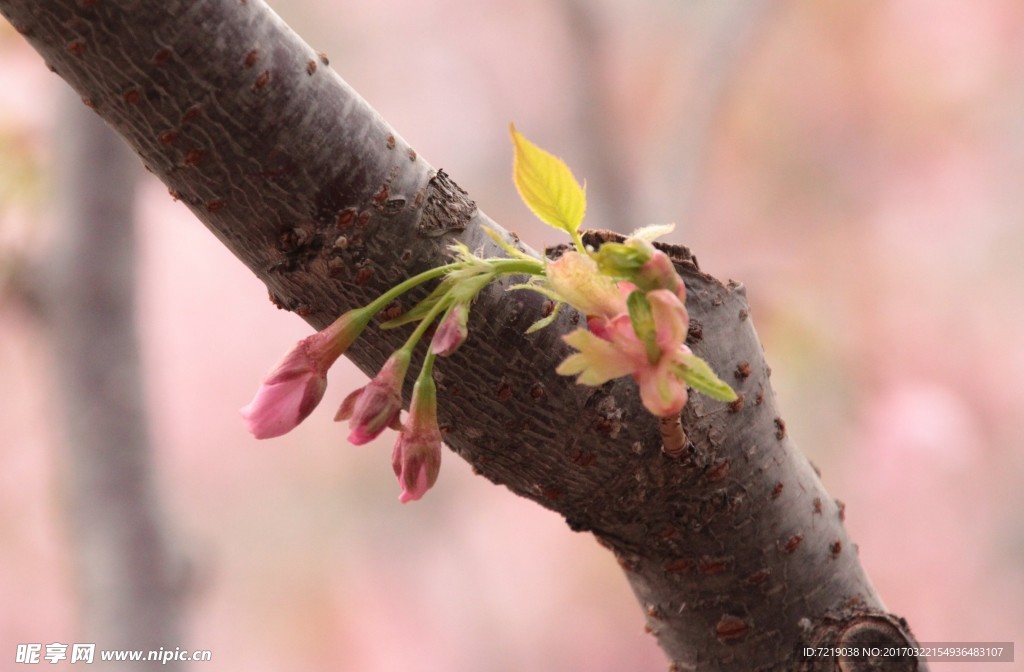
698 374
547 186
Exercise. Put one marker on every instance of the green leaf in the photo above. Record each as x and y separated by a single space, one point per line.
545 321
547 186
540 289
421 309
698 374
642 317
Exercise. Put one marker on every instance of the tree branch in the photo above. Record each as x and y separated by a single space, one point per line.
735 550
131 581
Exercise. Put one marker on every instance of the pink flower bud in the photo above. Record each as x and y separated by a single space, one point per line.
295 386
289 393
452 332
660 273
416 458
375 407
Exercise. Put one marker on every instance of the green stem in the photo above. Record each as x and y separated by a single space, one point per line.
498 266
577 240
425 323
517 266
501 267
382 301
426 372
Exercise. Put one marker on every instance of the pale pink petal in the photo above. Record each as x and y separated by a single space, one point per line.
597 361
278 407
620 331
662 393
287 396
576 278
671 320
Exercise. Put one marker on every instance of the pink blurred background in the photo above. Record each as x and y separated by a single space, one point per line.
856 165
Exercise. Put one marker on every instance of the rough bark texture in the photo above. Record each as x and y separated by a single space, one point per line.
736 552
130 582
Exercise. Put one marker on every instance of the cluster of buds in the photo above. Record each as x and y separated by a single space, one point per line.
294 387
630 293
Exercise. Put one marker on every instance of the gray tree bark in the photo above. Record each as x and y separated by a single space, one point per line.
736 552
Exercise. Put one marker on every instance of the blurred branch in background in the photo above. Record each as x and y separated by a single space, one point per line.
728 37
130 580
611 189
732 36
